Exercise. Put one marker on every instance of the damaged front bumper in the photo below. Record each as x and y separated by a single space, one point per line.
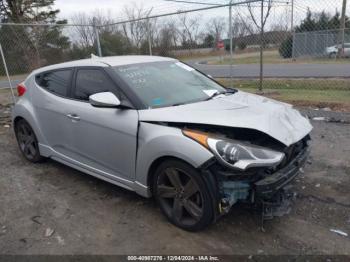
268 186
272 192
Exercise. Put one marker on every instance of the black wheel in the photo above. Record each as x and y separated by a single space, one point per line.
27 141
183 196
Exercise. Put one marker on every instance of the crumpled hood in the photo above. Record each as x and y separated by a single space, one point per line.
243 110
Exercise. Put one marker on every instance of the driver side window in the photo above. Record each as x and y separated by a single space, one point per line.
92 81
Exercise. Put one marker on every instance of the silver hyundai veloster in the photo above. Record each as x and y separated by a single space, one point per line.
160 128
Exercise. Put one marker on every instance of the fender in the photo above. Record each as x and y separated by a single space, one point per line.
156 141
24 109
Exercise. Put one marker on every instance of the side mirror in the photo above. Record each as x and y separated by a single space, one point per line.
104 99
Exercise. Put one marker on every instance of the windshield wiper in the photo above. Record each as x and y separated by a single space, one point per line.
217 93
177 104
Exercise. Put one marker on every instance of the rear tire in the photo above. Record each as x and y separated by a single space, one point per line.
27 141
183 196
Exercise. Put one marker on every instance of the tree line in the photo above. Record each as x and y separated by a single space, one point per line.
313 22
29 47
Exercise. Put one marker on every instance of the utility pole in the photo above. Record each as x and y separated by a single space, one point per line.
292 18
7 74
342 24
292 28
261 47
97 37
231 44
149 33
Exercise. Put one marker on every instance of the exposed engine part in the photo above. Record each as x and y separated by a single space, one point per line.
233 192
279 205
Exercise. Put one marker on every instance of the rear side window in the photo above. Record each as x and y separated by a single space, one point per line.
92 81
57 82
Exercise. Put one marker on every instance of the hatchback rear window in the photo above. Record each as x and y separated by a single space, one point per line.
55 81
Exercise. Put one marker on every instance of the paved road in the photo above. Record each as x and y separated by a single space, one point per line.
278 70
5 83
270 70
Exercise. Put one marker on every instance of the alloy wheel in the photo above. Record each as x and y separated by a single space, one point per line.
180 196
26 140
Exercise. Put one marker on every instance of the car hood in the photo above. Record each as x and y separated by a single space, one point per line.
241 110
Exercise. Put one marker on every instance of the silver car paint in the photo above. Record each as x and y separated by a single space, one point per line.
156 141
276 119
103 142
110 155
105 62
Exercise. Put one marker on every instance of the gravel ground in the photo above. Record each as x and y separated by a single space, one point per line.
49 208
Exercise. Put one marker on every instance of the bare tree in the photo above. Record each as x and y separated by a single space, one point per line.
136 31
261 26
241 27
85 34
189 30
166 35
281 22
216 26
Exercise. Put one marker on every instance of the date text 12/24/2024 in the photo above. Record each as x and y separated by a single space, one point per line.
173 258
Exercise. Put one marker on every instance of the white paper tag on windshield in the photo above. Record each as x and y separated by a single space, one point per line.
210 92
186 67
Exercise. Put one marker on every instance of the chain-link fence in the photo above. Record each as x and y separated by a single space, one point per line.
326 43
295 51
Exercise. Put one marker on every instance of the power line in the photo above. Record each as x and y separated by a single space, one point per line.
190 2
185 11
217 4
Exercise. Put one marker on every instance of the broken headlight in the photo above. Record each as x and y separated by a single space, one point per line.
242 156
236 154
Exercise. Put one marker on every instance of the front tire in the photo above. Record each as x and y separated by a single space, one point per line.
27 141
183 196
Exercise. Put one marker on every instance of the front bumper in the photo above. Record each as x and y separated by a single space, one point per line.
259 187
268 186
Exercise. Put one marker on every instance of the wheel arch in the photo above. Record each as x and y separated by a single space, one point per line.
24 110
158 143
16 119
155 164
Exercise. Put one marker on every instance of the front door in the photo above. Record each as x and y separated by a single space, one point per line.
104 138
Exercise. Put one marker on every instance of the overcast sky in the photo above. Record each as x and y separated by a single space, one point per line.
115 7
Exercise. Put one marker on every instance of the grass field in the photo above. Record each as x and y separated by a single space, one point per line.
333 93
272 57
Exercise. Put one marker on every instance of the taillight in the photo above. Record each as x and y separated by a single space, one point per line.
21 89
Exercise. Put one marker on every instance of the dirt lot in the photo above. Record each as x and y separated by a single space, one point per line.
49 208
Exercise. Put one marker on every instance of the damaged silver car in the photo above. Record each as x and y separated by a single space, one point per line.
160 128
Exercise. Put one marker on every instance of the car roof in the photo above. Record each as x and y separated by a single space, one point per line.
106 62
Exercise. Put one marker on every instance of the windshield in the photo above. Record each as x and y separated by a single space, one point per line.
161 84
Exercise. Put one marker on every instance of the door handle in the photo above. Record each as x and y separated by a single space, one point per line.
73 117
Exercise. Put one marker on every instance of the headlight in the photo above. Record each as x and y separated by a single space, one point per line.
236 154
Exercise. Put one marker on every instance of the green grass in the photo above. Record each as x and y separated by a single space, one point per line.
321 96
297 84
273 57
334 93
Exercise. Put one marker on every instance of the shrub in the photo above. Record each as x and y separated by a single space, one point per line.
286 48
242 45
227 46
